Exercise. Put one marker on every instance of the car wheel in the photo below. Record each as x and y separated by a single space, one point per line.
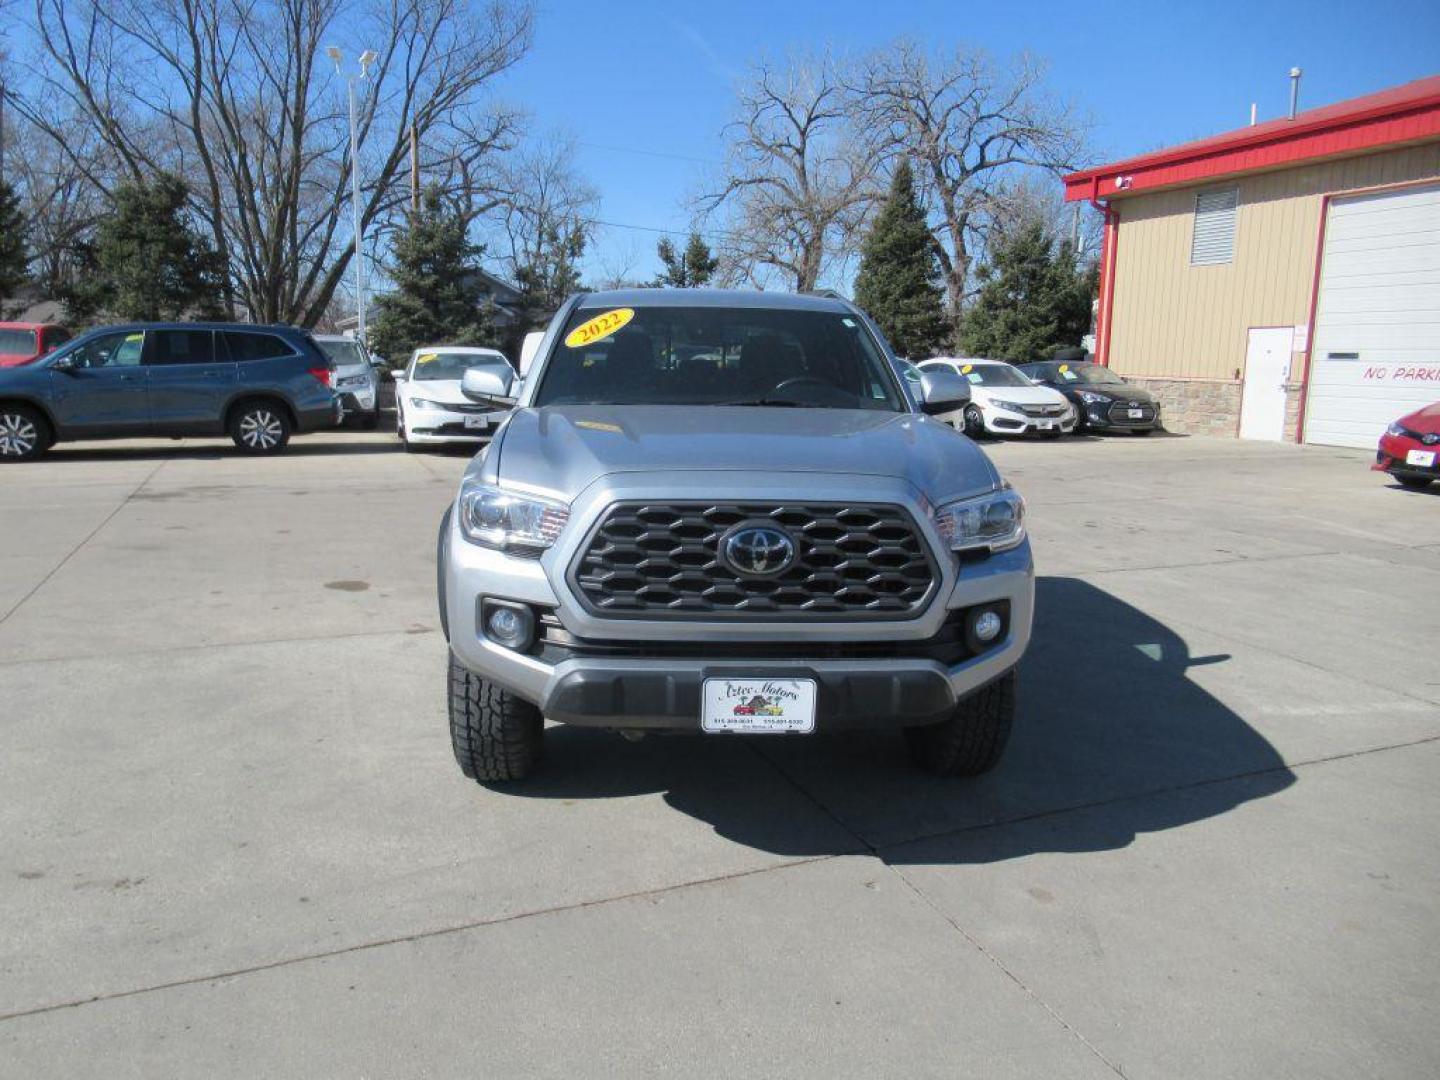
972 740
974 423
496 735
24 435
260 427
1414 483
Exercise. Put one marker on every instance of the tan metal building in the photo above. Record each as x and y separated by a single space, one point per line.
1281 281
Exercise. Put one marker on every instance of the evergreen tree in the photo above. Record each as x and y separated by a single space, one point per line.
14 257
898 280
439 297
145 261
690 269
1033 299
551 272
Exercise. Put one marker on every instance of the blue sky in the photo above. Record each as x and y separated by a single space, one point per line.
645 87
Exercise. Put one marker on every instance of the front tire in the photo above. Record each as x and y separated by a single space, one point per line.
972 740
24 435
496 735
974 422
260 427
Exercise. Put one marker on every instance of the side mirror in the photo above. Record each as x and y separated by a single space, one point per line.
398 375
489 385
528 348
63 363
942 391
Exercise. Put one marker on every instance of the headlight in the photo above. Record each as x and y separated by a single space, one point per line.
995 521
1092 398
426 403
1401 430
1010 405
501 519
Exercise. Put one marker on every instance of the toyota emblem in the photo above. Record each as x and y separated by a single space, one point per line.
758 551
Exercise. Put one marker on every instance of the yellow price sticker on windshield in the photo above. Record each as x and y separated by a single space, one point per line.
597 425
129 338
598 328
1064 367
425 358
967 369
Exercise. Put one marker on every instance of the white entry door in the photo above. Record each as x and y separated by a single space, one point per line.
1267 368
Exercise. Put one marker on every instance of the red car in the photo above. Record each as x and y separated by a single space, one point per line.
1410 448
23 342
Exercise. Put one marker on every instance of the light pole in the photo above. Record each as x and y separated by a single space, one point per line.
366 59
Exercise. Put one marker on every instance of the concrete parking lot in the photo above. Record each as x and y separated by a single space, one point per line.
235 842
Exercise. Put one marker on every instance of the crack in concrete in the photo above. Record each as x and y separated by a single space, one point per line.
874 850
76 549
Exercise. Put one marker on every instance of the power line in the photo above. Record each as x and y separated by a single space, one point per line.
650 153
665 232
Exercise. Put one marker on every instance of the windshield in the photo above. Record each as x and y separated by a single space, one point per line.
18 342
434 366
1087 375
718 356
993 375
342 352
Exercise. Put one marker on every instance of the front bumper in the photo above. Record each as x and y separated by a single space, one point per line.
897 681
435 426
1395 450
357 402
1004 422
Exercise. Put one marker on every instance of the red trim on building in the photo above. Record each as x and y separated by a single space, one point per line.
1402 114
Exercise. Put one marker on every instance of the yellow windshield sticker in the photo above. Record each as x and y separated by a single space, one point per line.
130 338
425 358
596 425
967 369
1064 367
602 326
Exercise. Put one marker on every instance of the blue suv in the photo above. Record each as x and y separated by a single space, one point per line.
257 383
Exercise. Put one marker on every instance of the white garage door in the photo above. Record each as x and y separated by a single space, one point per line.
1376 354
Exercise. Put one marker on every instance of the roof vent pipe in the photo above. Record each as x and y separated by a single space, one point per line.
1295 74
1253 108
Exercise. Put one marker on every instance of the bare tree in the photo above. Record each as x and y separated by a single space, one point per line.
970 128
228 94
799 176
547 218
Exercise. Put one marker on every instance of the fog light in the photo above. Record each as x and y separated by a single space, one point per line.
510 626
987 626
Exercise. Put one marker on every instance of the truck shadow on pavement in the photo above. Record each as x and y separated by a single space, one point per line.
1112 739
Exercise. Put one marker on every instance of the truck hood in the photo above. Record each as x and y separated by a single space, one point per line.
563 449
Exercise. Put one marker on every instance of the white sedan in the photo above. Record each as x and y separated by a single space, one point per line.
1005 402
430 408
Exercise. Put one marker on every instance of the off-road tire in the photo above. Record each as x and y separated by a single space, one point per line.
972 740
25 432
260 427
496 735
1414 483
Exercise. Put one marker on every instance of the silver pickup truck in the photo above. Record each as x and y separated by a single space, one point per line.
724 512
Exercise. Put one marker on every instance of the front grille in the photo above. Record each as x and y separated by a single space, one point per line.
1120 413
352 381
852 561
1043 410
455 427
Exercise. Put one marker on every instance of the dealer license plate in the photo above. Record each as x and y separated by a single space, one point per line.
1423 458
481 422
758 705
1044 425
1137 414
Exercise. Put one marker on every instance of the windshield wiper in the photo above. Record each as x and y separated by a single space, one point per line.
769 402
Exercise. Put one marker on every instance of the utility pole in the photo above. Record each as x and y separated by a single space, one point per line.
3 92
366 59
414 171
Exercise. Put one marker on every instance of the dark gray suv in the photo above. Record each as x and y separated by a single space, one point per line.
259 384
